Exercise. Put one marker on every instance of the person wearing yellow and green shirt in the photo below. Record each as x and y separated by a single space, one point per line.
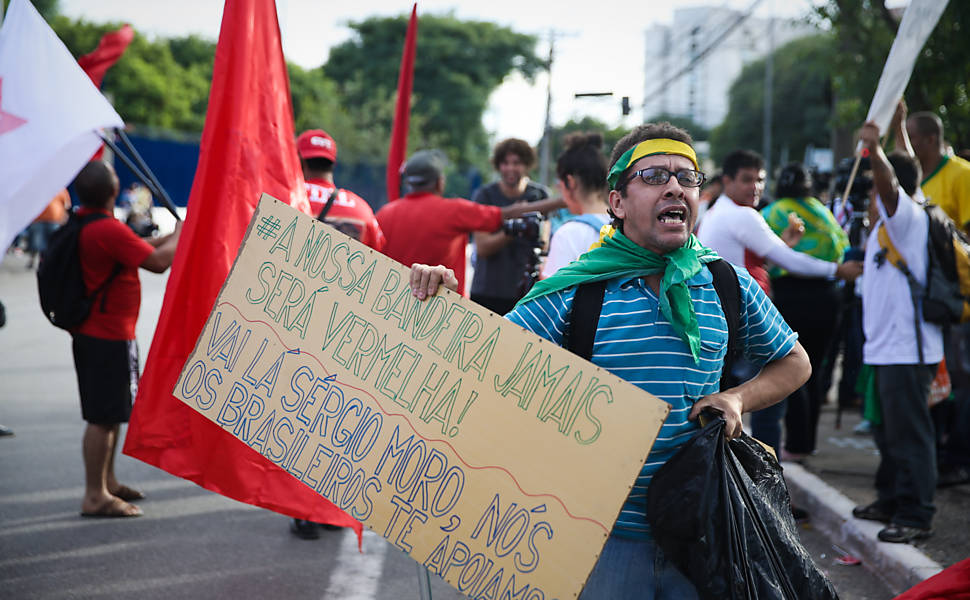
946 183
946 177
810 305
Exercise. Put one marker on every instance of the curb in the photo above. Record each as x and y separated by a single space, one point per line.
900 566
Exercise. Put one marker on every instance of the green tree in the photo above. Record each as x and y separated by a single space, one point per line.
458 65
697 131
47 8
587 123
864 31
317 105
147 85
801 102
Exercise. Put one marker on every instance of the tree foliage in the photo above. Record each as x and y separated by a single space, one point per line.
864 31
162 83
458 65
610 135
697 131
46 8
801 102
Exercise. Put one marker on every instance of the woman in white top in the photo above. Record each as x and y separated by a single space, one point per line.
582 174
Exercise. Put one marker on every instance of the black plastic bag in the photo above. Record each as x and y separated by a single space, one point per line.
720 511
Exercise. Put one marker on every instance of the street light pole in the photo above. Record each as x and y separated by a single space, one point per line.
769 97
547 127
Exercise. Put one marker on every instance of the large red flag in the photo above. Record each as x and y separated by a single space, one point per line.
112 45
402 111
247 148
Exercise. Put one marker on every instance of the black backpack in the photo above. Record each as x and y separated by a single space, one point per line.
60 283
588 303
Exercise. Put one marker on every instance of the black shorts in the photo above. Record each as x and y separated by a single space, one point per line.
107 378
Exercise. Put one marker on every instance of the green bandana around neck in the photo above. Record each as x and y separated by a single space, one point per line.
620 257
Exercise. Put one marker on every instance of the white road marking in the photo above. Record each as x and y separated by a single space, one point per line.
356 575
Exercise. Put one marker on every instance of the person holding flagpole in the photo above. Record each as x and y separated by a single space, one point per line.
105 352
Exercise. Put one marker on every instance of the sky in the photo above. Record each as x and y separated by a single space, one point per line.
599 45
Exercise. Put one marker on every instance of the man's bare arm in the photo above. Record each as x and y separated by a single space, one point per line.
898 125
161 258
488 243
883 175
543 206
777 380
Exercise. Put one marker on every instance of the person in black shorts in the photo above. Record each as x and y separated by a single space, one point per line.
105 352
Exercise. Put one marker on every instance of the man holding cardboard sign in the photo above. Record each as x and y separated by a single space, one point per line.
661 328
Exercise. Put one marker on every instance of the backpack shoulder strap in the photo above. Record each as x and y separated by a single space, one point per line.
326 209
584 318
89 218
85 220
589 220
728 289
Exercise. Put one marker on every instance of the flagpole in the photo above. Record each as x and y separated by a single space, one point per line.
144 166
397 151
166 201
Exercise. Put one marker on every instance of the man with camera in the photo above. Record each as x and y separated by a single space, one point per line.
424 227
507 261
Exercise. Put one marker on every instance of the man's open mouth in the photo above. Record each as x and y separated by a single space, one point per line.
673 215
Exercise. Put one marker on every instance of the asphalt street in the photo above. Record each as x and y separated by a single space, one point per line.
191 543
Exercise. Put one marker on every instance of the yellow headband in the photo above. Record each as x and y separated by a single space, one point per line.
649 148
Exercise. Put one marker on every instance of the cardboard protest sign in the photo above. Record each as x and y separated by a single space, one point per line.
497 460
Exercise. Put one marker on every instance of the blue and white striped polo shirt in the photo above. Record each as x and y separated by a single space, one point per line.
636 342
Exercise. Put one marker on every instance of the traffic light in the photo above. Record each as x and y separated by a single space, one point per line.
625 104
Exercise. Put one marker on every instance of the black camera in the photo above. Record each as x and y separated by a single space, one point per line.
526 226
858 196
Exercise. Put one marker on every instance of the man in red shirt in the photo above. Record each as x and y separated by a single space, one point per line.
422 227
348 213
105 352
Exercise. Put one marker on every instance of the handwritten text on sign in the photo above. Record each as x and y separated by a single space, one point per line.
494 458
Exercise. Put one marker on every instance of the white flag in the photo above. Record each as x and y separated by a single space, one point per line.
49 111
918 22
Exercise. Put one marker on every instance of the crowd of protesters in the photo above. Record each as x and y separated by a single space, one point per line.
632 220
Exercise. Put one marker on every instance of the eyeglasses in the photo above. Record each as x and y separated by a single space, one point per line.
659 176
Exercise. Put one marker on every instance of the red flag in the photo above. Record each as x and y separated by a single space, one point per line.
109 50
97 62
402 111
953 583
247 148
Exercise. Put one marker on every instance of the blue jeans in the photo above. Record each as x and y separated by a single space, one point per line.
766 425
635 569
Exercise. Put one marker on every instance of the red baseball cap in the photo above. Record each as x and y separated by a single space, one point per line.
316 143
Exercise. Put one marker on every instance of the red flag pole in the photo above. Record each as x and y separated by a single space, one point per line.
248 147
402 112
